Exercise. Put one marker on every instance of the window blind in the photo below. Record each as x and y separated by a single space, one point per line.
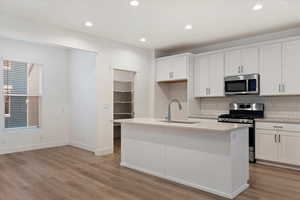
22 86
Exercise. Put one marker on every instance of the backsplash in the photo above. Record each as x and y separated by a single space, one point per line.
275 107
165 92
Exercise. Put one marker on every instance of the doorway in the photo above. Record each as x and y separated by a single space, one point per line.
123 102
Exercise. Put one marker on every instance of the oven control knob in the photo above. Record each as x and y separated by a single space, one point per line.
246 121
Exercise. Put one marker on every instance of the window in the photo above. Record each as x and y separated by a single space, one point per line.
7 106
22 94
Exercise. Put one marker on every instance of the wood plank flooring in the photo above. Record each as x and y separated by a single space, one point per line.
68 173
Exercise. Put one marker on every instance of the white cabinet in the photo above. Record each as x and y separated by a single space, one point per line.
179 67
216 75
162 69
266 146
244 61
232 63
172 68
201 71
279 69
289 148
209 75
271 70
291 69
278 143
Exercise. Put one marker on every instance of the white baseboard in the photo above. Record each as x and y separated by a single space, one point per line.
103 152
98 152
183 182
280 165
82 146
33 147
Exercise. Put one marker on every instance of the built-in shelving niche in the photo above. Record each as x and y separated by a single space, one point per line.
123 96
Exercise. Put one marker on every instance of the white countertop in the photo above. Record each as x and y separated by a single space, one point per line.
203 116
268 119
279 120
210 126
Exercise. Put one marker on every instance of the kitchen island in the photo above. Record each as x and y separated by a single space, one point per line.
209 156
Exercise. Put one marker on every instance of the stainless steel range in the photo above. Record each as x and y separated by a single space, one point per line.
245 114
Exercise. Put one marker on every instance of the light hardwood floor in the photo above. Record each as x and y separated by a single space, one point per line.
68 173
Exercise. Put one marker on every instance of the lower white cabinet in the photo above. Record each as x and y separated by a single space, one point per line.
266 147
278 143
289 148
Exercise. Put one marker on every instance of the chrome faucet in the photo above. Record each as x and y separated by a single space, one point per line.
169 108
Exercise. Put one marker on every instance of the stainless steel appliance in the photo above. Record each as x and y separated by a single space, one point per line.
245 114
242 85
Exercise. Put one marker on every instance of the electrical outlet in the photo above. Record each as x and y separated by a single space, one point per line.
3 141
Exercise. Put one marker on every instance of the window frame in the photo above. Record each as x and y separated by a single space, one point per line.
6 68
9 104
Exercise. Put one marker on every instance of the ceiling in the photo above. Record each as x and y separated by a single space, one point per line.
162 22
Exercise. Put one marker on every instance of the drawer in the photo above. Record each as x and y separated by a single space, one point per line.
278 126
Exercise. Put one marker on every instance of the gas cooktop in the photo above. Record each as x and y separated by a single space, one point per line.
243 113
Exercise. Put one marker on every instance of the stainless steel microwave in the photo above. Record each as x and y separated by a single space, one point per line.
242 84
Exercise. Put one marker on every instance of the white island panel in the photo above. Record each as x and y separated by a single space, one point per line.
210 160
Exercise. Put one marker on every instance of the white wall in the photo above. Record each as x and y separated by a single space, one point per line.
55 112
165 92
83 99
110 55
231 43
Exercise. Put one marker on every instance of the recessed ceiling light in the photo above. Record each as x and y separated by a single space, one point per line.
143 40
134 3
258 6
188 27
88 24
284 2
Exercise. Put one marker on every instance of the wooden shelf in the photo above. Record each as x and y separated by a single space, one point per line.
123 81
117 124
123 91
123 102
123 113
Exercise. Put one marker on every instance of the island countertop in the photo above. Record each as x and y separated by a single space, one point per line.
198 125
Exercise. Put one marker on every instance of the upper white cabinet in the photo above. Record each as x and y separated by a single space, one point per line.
173 68
291 68
209 75
279 69
162 69
243 61
271 69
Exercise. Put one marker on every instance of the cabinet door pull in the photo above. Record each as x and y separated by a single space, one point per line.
283 87
242 69
239 69
277 127
279 140
279 88
275 138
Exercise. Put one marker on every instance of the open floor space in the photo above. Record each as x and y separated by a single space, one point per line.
68 173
